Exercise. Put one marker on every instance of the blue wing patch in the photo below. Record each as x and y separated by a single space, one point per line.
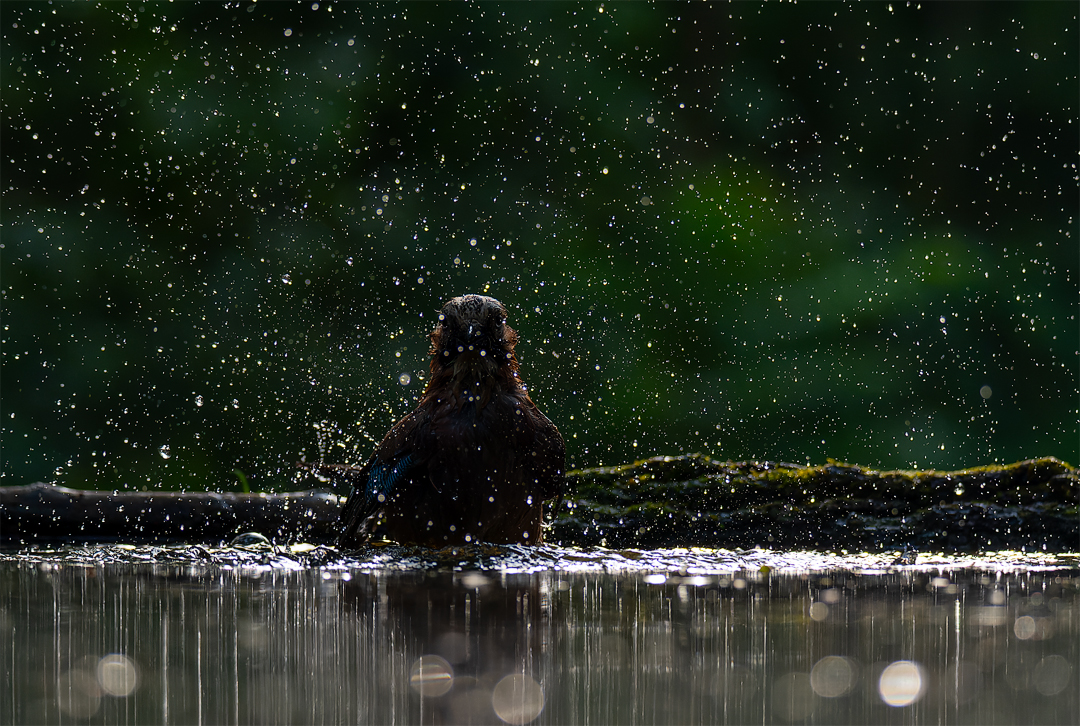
382 483
384 479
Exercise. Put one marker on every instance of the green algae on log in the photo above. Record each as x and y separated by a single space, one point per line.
683 501
695 501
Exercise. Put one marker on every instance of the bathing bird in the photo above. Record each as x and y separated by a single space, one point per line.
474 461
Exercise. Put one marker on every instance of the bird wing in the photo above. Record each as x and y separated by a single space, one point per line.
394 461
369 495
545 455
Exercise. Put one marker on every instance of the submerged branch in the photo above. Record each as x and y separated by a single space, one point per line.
684 501
47 513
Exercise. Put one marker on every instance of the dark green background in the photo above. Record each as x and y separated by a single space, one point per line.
780 232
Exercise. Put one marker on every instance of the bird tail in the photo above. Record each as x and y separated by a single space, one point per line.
357 509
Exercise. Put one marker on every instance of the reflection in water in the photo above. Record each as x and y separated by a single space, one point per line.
339 642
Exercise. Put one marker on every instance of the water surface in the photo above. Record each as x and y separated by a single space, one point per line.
198 634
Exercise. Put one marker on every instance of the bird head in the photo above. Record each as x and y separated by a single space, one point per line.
473 328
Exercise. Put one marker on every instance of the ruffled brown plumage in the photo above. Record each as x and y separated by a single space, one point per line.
475 460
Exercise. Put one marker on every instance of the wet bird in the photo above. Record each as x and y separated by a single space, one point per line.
476 459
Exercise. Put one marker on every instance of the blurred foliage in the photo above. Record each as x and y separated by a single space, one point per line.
786 232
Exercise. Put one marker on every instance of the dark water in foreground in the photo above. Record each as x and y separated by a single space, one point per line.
307 635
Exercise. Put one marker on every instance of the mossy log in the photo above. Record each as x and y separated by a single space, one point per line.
693 500
660 502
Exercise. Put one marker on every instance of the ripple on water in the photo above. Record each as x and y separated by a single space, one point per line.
514 559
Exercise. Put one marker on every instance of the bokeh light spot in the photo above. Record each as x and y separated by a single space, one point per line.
901 683
78 694
517 699
1051 675
1024 627
117 675
431 676
832 676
